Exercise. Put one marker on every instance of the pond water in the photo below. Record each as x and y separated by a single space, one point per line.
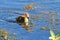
11 9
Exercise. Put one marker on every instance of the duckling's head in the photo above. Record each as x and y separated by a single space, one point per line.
26 15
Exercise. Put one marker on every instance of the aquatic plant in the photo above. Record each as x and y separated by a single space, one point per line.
4 34
53 36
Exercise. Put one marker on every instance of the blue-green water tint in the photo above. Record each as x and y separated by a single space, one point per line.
18 6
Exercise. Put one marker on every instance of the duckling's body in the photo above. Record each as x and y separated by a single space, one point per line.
23 20
20 20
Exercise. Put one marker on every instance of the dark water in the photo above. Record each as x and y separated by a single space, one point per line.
7 13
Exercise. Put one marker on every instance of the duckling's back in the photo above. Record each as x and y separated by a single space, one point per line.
20 20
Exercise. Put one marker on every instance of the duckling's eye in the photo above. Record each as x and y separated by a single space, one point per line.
28 17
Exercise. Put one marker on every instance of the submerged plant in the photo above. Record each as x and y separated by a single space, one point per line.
53 36
4 34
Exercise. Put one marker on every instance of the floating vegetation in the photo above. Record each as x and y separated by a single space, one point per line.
4 34
44 28
29 7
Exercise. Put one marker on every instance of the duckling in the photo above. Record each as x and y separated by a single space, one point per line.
23 20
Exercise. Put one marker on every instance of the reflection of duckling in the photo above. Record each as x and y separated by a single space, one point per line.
23 20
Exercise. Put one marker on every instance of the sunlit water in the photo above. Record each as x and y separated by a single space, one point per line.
7 18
